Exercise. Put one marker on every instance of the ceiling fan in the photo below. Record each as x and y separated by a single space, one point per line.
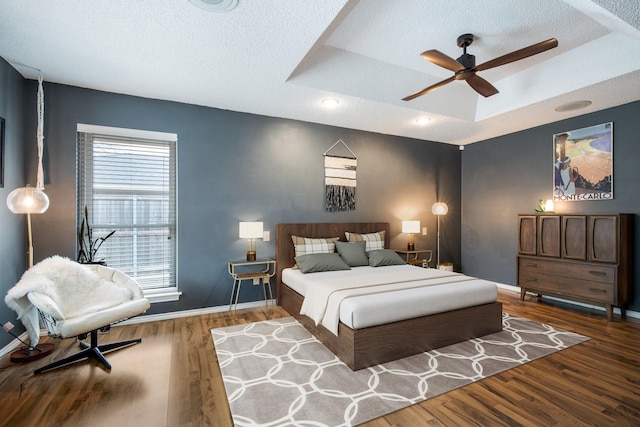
465 66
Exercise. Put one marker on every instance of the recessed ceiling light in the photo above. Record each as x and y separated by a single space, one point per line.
330 102
423 120
570 106
217 6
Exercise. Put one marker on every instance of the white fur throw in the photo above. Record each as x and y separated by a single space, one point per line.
74 288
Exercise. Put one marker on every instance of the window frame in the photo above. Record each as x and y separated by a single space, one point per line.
157 294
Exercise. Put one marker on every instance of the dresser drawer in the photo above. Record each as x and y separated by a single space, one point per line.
590 272
564 286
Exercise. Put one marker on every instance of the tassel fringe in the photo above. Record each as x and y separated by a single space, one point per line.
340 198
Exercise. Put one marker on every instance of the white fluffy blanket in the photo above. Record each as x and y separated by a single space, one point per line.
74 288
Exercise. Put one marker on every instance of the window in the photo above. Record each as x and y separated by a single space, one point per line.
127 181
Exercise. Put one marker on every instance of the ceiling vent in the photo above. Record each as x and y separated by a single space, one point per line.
217 6
570 106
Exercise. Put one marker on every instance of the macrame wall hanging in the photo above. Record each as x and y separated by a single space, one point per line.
339 180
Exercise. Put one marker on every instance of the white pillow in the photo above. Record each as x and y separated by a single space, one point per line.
374 241
306 245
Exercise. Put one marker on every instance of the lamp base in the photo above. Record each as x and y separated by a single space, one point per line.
251 255
447 266
25 354
411 246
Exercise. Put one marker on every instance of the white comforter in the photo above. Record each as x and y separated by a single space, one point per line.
322 299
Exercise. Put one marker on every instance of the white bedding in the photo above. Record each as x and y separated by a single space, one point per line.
429 291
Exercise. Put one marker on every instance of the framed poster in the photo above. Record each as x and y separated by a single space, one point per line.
1 152
583 164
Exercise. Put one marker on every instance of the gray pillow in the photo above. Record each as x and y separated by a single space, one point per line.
384 257
314 263
353 253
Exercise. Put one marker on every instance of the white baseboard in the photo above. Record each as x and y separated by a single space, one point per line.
630 313
508 287
148 318
218 309
194 312
13 345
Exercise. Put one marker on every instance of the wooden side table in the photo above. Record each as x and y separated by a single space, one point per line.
419 257
259 272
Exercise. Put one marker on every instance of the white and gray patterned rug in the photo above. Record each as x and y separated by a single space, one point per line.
277 374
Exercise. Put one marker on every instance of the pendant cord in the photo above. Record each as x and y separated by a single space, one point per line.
40 134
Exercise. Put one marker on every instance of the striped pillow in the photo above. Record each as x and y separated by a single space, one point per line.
306 246
374 241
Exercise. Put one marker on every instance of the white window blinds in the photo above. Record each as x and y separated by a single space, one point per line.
128 184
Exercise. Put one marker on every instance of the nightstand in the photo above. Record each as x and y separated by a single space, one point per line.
419 257
258 271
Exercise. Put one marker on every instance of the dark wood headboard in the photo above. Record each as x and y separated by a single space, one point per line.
285 252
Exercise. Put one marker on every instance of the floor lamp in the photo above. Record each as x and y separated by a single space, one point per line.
29 200
439 209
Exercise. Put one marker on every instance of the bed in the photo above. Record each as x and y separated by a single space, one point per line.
361 347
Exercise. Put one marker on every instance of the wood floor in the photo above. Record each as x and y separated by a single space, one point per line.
172 379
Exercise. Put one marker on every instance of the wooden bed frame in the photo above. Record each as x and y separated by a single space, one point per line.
361 348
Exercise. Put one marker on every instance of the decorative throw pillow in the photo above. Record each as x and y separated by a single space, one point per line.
353 253
374 241
382 257
314 263
306 246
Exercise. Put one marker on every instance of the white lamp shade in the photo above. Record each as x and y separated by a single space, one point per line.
28 200
251 230
411 227
548 206
439 208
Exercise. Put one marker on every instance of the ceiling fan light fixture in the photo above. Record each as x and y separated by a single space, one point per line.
571 106
217 6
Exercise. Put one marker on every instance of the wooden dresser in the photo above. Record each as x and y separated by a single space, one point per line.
585 258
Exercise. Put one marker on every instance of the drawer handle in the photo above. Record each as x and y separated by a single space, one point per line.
531 279
598 273
598 291
530 264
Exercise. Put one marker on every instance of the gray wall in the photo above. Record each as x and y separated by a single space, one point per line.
13 231
241 167
505 176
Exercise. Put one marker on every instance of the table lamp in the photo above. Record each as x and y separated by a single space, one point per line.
251 231
410 228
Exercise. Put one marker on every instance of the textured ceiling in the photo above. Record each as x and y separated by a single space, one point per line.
280 58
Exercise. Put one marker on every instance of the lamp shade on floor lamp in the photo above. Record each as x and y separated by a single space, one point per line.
28 200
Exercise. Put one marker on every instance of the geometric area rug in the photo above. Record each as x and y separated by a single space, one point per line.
277 374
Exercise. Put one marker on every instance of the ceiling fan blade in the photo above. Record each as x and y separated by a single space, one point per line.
518 54
482 86
429 89
439 58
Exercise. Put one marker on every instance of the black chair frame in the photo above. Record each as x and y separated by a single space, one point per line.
89 350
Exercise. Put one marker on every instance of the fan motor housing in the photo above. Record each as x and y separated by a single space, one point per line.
467 60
